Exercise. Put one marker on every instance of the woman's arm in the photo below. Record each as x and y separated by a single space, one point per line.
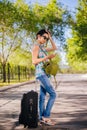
52 43
35 59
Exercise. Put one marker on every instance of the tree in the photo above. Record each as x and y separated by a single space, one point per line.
11 32
77 46
52 17
8 17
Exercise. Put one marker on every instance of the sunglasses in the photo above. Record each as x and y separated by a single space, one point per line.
45 38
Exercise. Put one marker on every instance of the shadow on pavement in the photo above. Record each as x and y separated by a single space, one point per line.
79 119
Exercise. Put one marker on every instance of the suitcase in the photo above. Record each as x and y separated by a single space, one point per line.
29 110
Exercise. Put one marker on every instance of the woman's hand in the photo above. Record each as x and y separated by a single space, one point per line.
49 34
51 56
53 47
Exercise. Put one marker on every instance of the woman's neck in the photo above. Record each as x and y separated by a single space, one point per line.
38 42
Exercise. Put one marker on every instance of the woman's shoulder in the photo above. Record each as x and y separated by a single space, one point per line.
36 44
35 47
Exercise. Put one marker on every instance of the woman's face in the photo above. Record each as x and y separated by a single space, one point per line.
43 39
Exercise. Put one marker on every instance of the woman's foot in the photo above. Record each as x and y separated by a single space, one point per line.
47 121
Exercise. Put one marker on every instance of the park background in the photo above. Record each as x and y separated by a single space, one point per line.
19 22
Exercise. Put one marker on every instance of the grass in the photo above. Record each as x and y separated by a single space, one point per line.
12 82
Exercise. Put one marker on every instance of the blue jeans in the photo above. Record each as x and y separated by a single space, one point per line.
45 87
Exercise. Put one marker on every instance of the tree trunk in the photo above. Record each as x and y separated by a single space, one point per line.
4 72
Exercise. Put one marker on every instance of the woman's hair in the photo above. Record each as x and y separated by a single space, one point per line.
41 32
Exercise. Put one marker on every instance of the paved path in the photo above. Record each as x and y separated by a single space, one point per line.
69 110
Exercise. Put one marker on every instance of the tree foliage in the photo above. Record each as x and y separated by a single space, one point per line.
77 45
18 20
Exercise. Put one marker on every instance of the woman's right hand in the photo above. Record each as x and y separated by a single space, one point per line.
51 56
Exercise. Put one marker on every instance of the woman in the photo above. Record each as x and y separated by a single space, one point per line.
38 57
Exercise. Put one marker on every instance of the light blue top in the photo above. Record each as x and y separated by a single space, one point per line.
39 67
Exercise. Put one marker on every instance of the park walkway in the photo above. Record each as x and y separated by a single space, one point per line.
69 110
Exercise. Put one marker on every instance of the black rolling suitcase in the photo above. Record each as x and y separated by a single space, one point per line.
29 110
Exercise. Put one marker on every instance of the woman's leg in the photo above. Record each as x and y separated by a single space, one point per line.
48 88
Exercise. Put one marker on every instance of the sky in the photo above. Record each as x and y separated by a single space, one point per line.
71 4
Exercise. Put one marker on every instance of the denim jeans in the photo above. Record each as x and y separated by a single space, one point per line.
45 87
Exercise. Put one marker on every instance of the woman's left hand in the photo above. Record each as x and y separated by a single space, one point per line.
49 34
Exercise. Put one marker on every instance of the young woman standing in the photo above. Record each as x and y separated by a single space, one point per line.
38 57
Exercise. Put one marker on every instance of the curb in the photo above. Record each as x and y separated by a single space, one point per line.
4 88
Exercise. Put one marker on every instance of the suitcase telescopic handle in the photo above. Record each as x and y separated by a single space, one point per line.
36 85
